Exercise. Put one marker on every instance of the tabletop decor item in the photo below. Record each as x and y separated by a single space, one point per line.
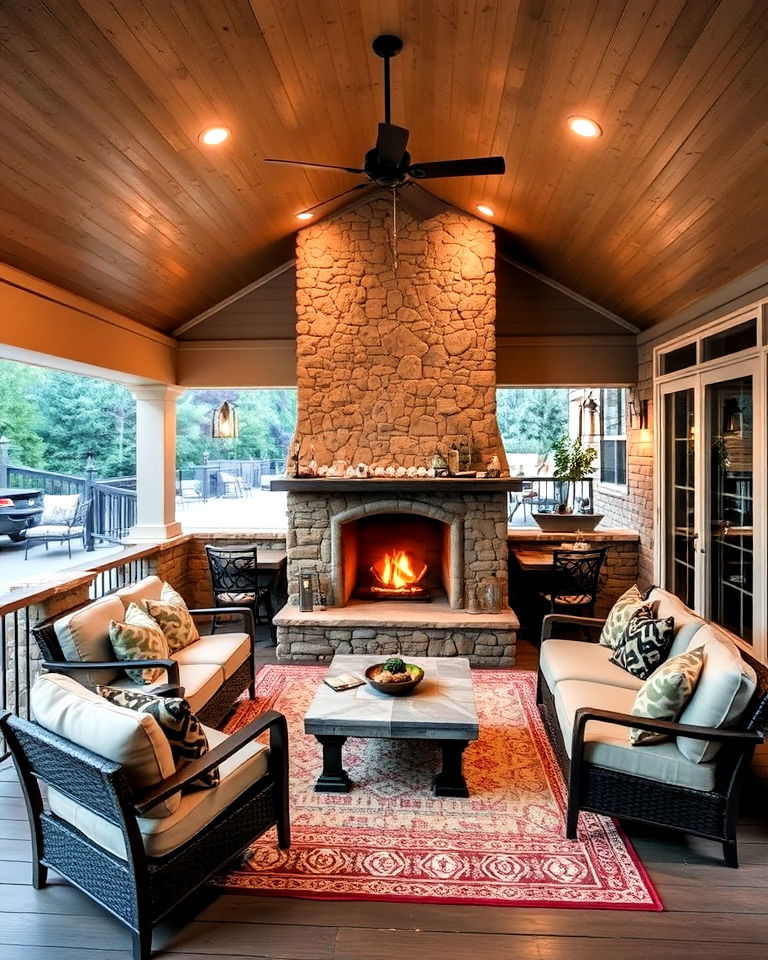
394 676
493 595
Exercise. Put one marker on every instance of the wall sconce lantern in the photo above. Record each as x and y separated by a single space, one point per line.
733 416
225 425
589 417
638 413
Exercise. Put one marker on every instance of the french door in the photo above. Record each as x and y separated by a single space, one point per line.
712 546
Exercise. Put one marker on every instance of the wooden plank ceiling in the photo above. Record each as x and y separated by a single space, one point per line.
106 191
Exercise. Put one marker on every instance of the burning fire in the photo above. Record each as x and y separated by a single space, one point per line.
398 570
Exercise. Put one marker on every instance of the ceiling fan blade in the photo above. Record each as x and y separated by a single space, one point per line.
420 203
357 186
319 166
475 167
391 143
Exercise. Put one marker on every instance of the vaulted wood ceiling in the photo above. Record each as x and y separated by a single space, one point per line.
106 191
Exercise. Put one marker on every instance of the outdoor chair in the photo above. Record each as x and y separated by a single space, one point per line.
234 486
575 577
188 491
64 519
120 821
236 581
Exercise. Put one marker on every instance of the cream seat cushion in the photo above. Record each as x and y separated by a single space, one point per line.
579 660
195 810
725 686
84 635
227 650
65 707
665 605
200 681
607 745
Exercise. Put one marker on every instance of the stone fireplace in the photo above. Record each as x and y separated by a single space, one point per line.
396 363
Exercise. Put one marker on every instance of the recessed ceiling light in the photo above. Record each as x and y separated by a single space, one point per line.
584 127
485 209
214 135
305 215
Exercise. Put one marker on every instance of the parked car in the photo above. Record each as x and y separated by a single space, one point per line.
19 509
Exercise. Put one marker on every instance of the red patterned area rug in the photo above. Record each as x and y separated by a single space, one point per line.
389 839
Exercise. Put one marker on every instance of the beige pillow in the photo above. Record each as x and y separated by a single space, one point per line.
134 740
138 637
174 618
621 613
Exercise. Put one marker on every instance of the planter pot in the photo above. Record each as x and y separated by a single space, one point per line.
567 522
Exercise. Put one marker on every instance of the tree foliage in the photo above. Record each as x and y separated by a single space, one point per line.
531 420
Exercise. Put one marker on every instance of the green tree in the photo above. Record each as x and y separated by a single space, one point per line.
19 413
531 420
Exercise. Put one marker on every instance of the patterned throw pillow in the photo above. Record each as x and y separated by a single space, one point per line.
621 613
182 728
645 643
138 637
665 693
174 618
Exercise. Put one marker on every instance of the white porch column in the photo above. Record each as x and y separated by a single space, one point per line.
155 462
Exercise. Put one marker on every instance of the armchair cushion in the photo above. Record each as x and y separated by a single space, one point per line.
227 650
84 635
666 692
644 644
175 620
725 687
182 728
199 680
194 810
621 613
59 510
579 660
607 745
138 637
62 705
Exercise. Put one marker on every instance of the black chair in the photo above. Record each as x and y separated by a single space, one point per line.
575 577
236 581
138 889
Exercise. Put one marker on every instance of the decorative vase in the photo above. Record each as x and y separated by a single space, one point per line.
493 595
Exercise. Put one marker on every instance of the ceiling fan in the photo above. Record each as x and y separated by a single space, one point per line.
389 165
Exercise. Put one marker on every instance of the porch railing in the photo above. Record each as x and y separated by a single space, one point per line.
545 494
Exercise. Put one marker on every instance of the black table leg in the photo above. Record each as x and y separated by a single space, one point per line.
334 777
450 781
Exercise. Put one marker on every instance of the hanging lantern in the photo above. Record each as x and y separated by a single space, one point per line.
225 425
589 418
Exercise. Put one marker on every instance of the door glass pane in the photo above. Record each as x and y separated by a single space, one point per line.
730 469
679 456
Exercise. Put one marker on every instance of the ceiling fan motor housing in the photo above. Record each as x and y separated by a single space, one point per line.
383 173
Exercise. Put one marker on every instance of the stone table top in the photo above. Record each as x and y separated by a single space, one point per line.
442 707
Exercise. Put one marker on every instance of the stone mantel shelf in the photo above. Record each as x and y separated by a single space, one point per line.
394 485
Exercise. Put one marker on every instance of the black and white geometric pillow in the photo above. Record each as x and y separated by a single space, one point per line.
645 643
181 727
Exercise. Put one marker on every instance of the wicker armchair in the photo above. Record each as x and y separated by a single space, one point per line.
709 813
139 889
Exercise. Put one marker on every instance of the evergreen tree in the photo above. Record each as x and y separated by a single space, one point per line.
19 415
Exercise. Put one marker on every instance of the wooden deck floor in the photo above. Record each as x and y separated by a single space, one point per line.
711 911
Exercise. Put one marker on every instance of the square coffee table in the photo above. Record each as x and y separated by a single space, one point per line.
441 708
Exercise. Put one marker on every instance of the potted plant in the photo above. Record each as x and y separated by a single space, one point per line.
573 462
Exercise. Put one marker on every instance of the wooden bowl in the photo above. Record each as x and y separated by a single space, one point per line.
398 688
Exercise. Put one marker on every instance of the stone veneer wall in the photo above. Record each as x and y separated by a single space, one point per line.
396 361
309 532
635 510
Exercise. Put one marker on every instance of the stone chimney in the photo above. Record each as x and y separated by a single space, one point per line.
396 340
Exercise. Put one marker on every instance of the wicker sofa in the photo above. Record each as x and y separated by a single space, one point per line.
692 781
213 671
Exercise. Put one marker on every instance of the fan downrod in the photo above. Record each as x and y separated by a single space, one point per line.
386 45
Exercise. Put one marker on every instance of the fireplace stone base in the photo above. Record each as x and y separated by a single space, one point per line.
430 630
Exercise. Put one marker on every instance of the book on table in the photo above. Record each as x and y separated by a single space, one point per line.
344 681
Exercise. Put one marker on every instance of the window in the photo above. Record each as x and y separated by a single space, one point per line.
613 437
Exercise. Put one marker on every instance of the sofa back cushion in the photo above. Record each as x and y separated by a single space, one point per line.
132 739
666 604
150 588
725 687
84 636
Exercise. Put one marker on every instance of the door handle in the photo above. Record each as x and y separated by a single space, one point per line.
695 544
